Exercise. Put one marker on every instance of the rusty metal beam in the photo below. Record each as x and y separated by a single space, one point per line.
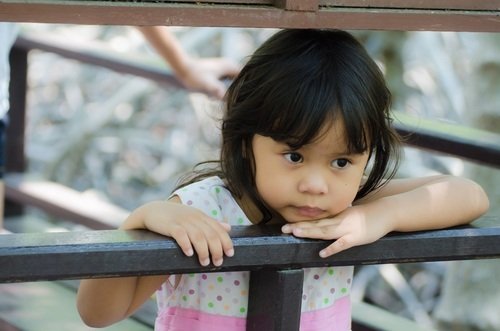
377 15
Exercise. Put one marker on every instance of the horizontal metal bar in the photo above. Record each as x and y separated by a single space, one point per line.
63 202
472 144
51 256
89 55
419 4
248 15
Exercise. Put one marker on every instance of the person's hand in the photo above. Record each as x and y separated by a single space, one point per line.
205 75
353 227
202 74
193 230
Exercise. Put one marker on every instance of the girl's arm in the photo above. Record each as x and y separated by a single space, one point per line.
401 205
430 202
102 302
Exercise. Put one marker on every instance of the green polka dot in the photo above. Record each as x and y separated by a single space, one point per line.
330 271
242 310
210 305
217 190
184 298
344 290
220 279
214 212
326 301
240 220
191 275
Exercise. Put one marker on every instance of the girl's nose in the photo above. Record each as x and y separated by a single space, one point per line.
313 183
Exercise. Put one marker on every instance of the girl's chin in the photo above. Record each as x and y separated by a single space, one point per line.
295 218
304 219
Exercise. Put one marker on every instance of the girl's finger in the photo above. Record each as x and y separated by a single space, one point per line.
222 241
337 246
288 228
180 235
199 242
318 232
225 226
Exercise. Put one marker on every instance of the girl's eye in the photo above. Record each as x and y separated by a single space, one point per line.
293 157
340 163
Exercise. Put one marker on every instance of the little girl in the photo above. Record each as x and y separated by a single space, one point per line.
307 142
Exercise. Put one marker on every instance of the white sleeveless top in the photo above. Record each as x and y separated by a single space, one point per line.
219 301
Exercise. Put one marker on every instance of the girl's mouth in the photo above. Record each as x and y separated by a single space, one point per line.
309 212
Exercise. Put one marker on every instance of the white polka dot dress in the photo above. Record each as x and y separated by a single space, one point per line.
219 301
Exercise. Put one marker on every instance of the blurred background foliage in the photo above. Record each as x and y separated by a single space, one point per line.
127 140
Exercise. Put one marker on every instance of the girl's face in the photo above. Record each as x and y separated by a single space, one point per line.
316 181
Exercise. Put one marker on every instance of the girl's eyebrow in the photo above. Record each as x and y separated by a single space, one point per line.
347 153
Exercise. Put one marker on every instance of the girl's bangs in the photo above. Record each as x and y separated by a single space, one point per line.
358 135
305 120
298 116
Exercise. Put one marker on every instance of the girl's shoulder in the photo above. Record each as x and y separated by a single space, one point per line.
211 196
204 187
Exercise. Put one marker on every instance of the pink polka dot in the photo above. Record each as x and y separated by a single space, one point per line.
236 283
316 277
219 298
332 290
204 277
190 202
191 292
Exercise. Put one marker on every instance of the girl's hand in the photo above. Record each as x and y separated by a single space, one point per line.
193 230
350 228
400 205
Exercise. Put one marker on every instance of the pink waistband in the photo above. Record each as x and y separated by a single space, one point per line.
334 318
181 319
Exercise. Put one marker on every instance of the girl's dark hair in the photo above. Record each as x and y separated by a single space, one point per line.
292 85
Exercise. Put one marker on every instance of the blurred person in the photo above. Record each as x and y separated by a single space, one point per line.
201 74
8 34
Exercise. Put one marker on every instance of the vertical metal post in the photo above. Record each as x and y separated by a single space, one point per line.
15 161
275 298
14 150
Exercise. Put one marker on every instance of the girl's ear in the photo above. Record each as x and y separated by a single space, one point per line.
363 180
245 153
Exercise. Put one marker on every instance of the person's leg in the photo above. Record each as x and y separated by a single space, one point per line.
2 198
2 170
